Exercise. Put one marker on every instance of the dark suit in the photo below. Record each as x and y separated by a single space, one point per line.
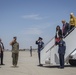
61 51
59 33
40 47
66 28
2 48
57 39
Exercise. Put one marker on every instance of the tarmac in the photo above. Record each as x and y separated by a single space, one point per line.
29 66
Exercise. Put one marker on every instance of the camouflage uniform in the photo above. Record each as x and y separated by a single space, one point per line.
15 53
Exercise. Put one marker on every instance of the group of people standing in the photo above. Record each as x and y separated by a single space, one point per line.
15 51
61 50
60 34
66 28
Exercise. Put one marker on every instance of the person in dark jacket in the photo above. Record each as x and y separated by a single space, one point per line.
65 27
61 51
58 34
2 51
40 44
31 51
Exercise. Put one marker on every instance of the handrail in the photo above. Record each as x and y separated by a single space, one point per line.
72 51
50 48
64 37
50 41
69 32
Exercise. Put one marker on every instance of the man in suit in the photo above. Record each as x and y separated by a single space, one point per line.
61 51
65 27
2 51
40 44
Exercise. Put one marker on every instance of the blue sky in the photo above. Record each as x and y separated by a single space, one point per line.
30 19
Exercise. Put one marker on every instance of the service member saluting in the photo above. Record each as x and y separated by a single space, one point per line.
15 51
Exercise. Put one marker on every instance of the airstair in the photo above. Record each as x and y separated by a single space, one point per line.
49 55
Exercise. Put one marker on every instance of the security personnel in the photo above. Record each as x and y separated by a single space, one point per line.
40 44
15 51
2 51
61 51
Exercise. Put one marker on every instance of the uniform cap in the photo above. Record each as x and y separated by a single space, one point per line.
15 37
40 38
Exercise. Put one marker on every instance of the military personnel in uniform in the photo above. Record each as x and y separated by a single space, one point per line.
40 44
15 51
61 51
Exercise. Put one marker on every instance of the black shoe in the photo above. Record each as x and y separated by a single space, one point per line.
40 65
2 64
61 67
